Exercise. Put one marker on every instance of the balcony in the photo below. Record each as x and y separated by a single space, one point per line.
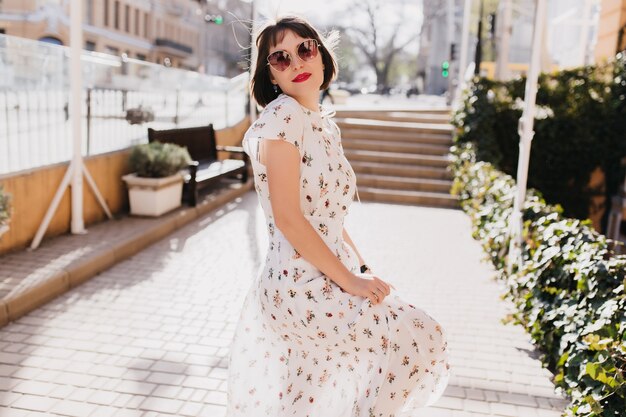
168 45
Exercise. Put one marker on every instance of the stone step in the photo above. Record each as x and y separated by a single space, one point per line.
383 135
404 183
395 146
400 170
420 198
392 126
397 158
396 116
394 109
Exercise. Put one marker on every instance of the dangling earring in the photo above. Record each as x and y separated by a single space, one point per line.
275 88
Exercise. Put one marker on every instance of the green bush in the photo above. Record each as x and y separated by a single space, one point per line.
5 207
157 160
580 126
569 290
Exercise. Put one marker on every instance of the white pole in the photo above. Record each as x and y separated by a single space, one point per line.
467 12
74 174
76 86
450 40
253 56
525 129
502 58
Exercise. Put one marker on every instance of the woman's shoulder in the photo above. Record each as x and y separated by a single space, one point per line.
281 105
281 118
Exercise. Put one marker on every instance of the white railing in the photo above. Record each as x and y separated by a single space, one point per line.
34 94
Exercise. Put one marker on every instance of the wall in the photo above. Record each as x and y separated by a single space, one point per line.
32 192
612 18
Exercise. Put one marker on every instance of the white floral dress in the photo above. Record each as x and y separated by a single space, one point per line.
304 347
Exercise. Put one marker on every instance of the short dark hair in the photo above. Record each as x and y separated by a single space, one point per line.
261 84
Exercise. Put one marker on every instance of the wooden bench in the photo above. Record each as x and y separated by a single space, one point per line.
205 169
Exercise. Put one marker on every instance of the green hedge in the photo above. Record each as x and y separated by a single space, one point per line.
5 207
569 292
580 126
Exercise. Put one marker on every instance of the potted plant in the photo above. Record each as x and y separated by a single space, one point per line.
5 211
155 187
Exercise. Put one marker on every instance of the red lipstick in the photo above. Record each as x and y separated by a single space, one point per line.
301 77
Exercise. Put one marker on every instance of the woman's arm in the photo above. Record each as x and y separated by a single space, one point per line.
347 238
283 176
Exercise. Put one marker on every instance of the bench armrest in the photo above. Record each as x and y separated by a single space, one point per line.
235 149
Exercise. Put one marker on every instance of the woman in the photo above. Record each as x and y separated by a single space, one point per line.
317 335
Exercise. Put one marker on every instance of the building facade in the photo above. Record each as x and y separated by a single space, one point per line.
571 29
435 39
612 29
170 32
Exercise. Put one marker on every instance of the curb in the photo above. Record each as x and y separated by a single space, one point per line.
82 270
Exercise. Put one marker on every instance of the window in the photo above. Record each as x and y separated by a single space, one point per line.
137 22
106 13
141 57
146 24
127 18
90 46
51 39
2 31
112 50
116 15
89 12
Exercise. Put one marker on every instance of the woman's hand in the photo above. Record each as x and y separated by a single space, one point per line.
368 286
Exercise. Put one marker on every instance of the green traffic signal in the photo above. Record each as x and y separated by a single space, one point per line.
445 69
217 19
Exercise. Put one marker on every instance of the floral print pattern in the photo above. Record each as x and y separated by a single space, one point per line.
303 347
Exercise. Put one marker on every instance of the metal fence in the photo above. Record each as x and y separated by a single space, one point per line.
122 98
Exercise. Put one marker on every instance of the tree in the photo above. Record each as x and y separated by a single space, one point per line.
381 33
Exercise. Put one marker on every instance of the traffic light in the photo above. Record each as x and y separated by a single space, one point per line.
453 52
214 18
445 69
492 25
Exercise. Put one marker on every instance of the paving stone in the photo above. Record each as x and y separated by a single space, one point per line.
103 397
34 388
476 406
105 411
73 408
8 398
162 405
507 410
191 409
34 403
517 399
20 413
213 411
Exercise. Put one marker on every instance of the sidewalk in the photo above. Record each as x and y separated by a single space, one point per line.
150 336
30 278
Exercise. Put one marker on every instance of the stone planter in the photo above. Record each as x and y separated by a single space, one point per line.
3 229
153 196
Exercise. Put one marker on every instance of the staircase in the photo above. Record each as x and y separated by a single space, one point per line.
399 156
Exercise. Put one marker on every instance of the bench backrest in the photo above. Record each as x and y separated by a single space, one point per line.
199 141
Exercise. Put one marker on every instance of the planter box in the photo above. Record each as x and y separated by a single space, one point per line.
153 196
